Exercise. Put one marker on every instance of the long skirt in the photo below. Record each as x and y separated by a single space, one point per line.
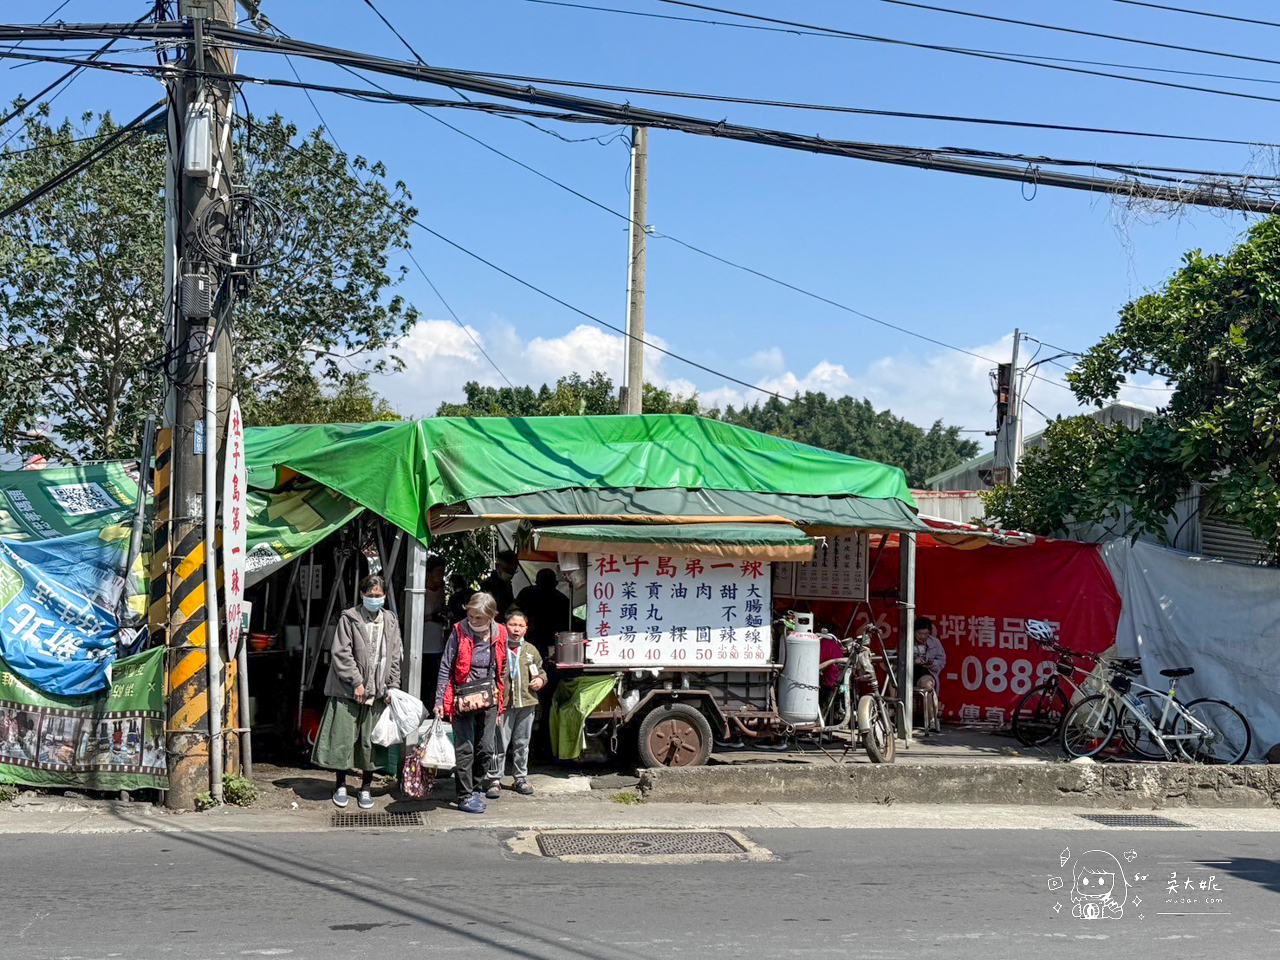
345 741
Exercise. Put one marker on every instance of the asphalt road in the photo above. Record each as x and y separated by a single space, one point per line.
841 893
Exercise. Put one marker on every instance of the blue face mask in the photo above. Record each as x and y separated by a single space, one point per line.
374 604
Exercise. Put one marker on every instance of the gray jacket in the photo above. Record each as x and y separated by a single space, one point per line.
349 661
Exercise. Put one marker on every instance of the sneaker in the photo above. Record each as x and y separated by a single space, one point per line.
494 791
340 798
473 804
522 787
365 802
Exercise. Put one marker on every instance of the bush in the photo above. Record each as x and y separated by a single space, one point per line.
205 801
238 791
8 792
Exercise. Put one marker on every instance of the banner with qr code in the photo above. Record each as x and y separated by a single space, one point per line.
57 611
111 740
60 501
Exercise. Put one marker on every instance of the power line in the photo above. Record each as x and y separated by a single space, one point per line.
1237 194
540 291
1072 30
987 55
117 140
1200 13
824 33
329 132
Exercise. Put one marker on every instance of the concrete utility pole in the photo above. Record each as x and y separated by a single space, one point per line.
1008 420
633 392
200 365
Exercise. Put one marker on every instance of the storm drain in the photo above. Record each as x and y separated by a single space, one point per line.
413 819
1138 820
647 843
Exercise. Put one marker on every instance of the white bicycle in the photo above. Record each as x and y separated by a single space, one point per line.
1153 724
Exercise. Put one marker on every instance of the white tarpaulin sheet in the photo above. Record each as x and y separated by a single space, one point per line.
1222 618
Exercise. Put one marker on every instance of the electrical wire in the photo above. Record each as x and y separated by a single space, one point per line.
431 283
823 33
539 290
117 140
1072 30
1200 13
964 51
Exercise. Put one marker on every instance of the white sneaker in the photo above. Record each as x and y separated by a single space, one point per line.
340 798
365 802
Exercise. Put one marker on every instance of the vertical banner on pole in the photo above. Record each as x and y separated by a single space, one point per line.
234 527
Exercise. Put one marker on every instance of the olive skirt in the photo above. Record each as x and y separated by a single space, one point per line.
345 741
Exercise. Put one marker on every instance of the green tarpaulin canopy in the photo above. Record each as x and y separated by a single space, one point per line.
740 541
401 471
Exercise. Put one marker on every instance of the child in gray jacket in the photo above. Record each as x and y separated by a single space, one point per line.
525 677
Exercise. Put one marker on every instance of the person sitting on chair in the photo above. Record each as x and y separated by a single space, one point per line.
930 658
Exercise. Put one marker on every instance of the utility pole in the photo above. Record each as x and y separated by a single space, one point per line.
1008 419
199 348
633 391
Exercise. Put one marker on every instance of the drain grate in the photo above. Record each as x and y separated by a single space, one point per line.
413 819
1132 820
655 843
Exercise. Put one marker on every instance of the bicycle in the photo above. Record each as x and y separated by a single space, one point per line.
1155 725
1037 717
867 716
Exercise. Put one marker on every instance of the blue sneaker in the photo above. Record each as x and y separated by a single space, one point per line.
473 804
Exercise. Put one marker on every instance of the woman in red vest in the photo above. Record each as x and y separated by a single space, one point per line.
469 694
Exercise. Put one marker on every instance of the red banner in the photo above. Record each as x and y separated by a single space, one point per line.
979 601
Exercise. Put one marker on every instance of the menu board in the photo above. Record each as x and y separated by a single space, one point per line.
677 612
838 571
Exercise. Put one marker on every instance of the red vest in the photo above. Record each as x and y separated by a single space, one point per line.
462 665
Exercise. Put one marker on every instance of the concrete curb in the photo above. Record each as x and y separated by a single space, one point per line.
1092 785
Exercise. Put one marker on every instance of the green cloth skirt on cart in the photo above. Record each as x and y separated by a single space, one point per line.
345 741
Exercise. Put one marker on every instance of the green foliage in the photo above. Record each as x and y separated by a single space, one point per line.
1213 330
856 428
238 791
305 400
81 283
8 792
204 801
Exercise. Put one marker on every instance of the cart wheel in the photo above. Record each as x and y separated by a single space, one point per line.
674 735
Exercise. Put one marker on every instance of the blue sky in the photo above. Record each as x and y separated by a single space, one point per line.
959 259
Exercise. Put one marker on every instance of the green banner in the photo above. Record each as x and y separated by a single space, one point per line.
60 501
113 740
287 522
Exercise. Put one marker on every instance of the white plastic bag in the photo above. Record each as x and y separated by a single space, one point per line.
408 712
385 731
437 747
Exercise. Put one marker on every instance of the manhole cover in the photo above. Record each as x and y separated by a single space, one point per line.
413 819
1131 820
657 844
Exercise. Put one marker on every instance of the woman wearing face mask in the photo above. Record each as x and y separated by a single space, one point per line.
469 694
365 666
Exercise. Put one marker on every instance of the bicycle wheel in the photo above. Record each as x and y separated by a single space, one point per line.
1089 726
1039 713
1137 738
1227 738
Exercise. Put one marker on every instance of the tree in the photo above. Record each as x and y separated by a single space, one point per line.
81 282
1213 331
572 396
856 428
305 400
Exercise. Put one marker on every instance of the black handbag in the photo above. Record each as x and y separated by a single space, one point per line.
475 695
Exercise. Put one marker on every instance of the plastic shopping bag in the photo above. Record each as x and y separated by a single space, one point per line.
408 712
437 748
385 731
